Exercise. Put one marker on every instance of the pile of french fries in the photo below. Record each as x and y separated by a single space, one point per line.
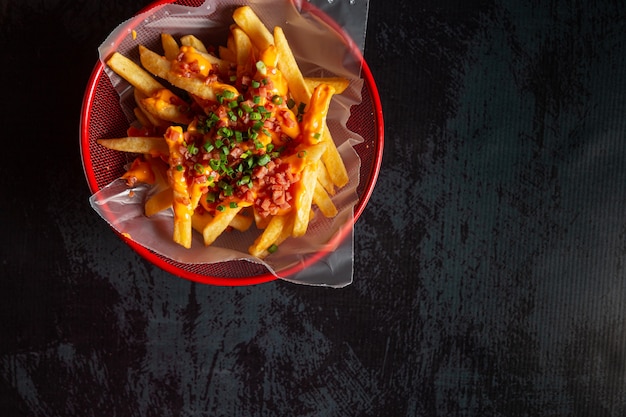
177 113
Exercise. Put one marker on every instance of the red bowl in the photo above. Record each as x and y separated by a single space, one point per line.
102 116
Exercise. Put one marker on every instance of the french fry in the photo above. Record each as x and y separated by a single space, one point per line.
314 126
142 118
170 46
250 23
324 179
241 222
197 44
153 145
158 202
159 168
304 197
153 120
163 105
161 67
200 220
227 54
181 198
333 162
289 67
139 171
305 154
340 84
155 63
269 236
243 51
322 200
261 221
313 121
222 64
219 223
133 73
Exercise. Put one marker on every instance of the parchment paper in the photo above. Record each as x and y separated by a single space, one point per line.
320 51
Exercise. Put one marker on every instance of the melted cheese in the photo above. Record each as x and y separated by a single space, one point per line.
189 55
141 171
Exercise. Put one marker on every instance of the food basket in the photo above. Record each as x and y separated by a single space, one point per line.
103 116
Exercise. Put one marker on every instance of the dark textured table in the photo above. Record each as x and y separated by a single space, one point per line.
490 264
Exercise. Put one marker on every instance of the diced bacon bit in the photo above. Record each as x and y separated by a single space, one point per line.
273 189
271 165
236 152
268 124
210 79
260 172
186 69
286 115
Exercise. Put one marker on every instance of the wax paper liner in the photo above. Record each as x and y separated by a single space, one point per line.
321 50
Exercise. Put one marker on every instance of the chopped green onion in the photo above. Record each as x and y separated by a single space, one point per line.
192 149
255 84
276 99
179 167
228 94
220 208
253 135
244 180
264 159
272 248
214 164
260 66
224 132
233 204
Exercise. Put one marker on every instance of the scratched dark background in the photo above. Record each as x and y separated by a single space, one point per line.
489 266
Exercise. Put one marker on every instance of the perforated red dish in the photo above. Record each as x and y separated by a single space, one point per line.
102 117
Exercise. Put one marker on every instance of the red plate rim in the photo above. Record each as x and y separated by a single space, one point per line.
154 258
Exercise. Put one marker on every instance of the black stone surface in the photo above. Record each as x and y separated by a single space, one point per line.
489 265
